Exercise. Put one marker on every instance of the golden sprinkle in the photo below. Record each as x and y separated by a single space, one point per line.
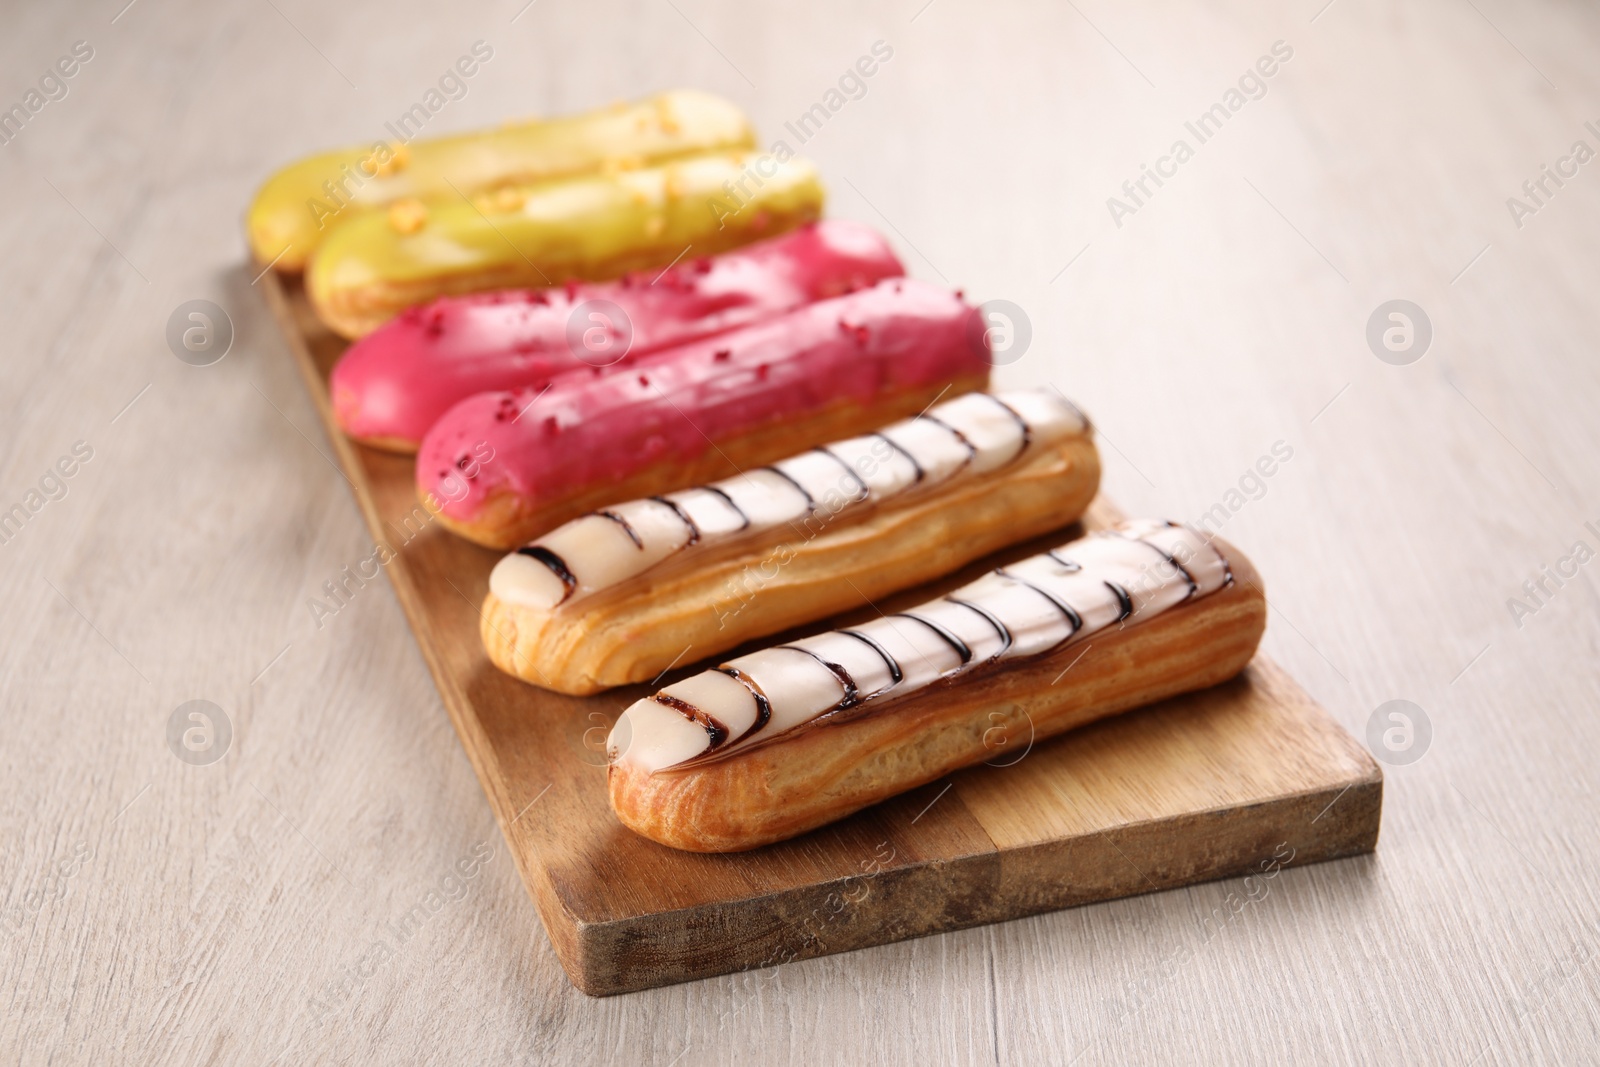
654 226
508 199
408 215
673 186
665 116
399 156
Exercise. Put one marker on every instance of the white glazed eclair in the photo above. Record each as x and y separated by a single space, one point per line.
619 595
780 741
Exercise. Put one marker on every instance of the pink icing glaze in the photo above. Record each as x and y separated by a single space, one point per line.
586 430
396 382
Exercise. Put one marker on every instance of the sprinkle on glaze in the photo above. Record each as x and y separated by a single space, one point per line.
587 430
1122 576
958 439
396 382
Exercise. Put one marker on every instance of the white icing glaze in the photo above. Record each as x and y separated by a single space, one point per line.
1040 406
1208 570
736 708
883 469
521 579
921 654
712 514
598 550
765 497
652 735
937 452
964 437
861 663
797 687
990 425
1035 621
1122 576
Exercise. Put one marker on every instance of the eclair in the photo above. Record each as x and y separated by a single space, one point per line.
503 468
298 206
622 594
391 386
591 228
791 737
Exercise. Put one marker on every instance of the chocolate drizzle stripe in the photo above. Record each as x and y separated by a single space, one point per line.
945 635
810 482
895 675
811 505
557 565
763 705
714 729
1194 586
1027 431
737 510
1227 568
972 449
848 470
677 509
1066 609
852 695
992 604
627 528
1072 566
993 620
915 466
1123 599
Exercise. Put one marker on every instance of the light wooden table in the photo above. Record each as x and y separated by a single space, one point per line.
156 911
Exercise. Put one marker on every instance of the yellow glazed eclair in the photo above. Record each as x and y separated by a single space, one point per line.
620 595
785 739
301 204
590 228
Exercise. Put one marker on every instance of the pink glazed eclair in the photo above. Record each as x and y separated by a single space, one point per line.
502 468
392 385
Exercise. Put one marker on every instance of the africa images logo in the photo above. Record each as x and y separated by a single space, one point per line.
52 86
1252 85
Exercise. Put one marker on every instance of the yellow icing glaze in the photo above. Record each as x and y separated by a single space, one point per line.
294 212
590 228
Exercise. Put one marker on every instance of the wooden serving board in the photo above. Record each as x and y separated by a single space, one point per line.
1226 782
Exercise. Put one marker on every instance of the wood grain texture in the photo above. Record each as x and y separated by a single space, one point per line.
1217 320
